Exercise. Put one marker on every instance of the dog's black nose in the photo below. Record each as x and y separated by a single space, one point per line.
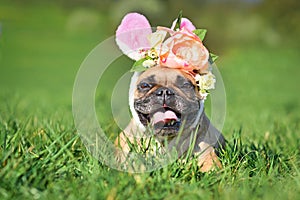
164 92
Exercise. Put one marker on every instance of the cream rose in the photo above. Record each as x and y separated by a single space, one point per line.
206 81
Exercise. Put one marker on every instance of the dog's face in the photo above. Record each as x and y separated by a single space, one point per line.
166 99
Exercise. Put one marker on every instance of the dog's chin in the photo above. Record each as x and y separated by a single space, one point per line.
165 121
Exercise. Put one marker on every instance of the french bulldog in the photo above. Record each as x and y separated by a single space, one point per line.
168 101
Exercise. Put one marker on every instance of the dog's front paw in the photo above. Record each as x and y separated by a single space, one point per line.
208 160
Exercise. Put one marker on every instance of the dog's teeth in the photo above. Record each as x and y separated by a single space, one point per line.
170 123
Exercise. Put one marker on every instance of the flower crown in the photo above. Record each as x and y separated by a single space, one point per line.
179 47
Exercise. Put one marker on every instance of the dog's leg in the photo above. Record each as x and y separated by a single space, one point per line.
207 158
125 139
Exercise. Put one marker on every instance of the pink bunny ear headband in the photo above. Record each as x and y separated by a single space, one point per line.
178 47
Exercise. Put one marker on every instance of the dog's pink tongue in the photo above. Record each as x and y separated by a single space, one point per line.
164 117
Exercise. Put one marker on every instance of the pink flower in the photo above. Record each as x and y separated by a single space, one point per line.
184 50
185 24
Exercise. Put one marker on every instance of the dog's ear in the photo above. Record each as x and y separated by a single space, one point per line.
131 35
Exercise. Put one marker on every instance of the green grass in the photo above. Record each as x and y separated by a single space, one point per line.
42 157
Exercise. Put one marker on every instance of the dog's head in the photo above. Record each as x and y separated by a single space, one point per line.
170 93
166 99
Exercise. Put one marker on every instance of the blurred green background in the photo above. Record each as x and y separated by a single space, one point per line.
43 43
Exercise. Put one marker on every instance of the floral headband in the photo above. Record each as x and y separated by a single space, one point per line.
179 47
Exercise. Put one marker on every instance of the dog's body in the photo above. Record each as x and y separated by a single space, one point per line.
168 101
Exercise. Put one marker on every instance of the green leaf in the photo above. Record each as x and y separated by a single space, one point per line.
213 57
200 33
178 21
138 66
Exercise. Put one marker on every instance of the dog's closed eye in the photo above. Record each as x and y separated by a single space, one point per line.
182 82
188 85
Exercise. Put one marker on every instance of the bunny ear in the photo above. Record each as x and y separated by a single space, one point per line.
185 23
131 35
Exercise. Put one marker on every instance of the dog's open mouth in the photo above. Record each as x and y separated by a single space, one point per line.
164 118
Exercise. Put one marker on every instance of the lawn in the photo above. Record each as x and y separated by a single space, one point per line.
42 156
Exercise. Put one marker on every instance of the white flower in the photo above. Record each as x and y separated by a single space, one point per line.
197 77
153 54
206 81
157 38
149 63
203 94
